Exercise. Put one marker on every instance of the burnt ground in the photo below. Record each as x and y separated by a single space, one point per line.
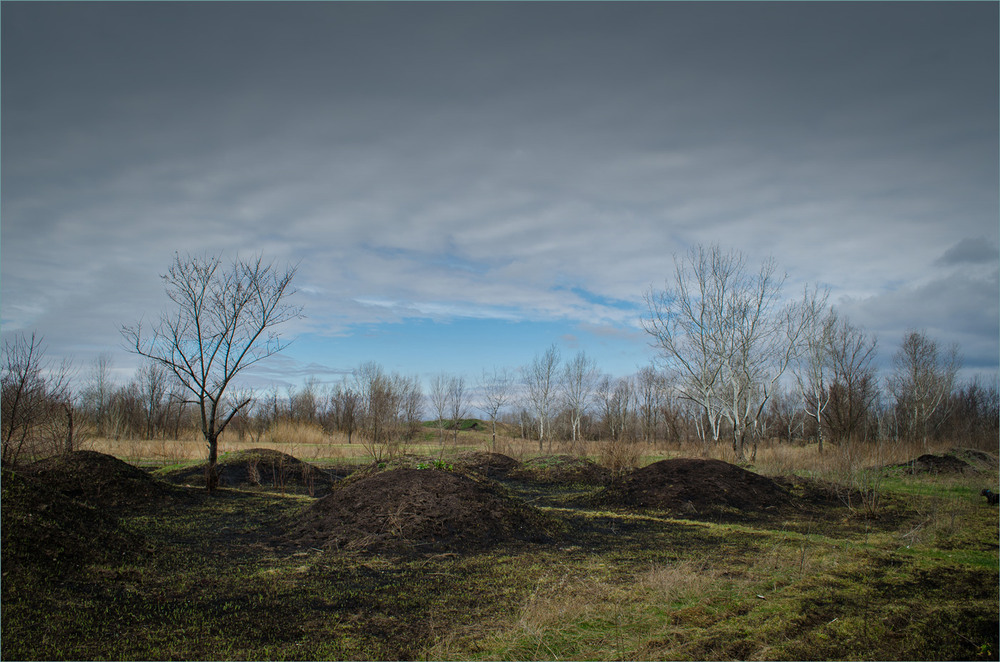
419 510
102 560
257 467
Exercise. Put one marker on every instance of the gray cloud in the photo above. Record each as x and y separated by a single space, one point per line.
970 251
485 160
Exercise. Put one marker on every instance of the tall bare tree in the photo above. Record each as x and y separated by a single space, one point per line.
922 382
496 390
853 390
541 379
224 322
580 377
727 337
812 374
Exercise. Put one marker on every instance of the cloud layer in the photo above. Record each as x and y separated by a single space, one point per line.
525 162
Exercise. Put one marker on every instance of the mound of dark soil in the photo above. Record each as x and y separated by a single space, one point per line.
102 481
561 469
418 510
487 464
44 529
935 464
695 487
977 459
257 467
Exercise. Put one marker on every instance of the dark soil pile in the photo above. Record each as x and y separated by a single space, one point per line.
258 467
102 481
695 487
417 510
46 530
561 469
487 464
977 459
935 464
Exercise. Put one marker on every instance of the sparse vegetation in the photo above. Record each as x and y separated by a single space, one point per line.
417 570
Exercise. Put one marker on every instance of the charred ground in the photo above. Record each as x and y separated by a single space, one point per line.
482 556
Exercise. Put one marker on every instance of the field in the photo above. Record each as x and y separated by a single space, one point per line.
458 552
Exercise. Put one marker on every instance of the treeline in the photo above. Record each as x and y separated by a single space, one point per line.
737 363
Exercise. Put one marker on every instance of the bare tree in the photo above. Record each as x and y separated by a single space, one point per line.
496 387
923 380
688 320
726 335
540 378
36 405
224 322
457 402
347 410
580 377
651 395
439 400
813 370
853 389
152 381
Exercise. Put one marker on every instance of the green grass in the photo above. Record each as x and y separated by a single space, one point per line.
205 583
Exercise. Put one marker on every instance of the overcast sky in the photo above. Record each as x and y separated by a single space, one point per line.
464 184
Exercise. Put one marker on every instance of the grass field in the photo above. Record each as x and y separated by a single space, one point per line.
202 577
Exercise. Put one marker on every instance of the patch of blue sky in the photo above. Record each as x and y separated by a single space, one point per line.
466 346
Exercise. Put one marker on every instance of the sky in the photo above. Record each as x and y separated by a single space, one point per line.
462 185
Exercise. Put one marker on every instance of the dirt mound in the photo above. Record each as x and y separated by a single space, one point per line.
980 460
934 464
418 510
46 530
695 487
257 467
487 464
102 481
561 469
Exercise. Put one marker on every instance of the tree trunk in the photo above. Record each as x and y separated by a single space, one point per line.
212 470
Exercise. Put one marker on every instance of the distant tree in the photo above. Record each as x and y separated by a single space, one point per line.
812 372
496 390
580 377
457 402
922 381
651 395
439 401
223 323
853 391
36 404
541 381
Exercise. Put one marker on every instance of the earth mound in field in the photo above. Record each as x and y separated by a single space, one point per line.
695 487
487 464
929 463
46 530
257 467
561 469
417 510
101 480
